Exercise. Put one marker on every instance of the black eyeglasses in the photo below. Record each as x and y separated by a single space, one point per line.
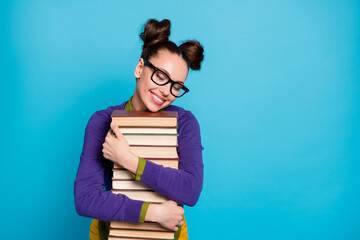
161 78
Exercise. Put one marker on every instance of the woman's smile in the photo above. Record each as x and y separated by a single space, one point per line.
158 100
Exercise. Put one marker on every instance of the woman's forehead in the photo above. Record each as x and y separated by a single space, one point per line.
172 64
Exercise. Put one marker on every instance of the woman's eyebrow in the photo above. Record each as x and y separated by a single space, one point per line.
164 70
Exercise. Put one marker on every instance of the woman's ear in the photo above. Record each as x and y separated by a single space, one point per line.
139 68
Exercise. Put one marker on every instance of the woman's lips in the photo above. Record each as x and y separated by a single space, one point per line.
157 99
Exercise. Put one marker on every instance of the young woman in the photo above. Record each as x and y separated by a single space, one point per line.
160 76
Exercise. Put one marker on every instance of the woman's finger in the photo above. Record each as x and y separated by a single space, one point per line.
106 144
106 152
116 130
172 202
106 156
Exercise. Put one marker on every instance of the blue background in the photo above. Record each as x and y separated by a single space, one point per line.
277 100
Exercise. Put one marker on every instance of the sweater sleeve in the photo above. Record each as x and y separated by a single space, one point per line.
90 198
185 184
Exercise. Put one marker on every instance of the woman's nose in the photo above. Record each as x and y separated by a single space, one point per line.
165 90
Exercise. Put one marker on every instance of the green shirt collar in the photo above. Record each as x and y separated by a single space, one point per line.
128 105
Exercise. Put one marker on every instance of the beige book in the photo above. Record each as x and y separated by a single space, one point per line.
141 234
154 151
167 163
147 196
144 122
149 226
125 118
151 140
148 130
131 238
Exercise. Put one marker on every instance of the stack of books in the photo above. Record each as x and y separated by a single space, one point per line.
152 136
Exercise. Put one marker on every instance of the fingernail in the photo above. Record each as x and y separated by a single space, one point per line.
112 124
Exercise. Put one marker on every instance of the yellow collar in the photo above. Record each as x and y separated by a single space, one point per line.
128 105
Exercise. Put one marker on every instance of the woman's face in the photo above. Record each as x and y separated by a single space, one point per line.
148 95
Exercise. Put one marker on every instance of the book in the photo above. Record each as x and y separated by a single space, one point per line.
151 139
147 196
155 151
149 226
131 238
122 174
148 130
162 119
128 185
141 234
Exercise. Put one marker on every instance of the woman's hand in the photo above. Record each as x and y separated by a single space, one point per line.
117 149
168 214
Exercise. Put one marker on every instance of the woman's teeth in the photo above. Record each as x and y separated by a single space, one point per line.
157 98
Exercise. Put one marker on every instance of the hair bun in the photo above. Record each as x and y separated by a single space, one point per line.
155 31
194 52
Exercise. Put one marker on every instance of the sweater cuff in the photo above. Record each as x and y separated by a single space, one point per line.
143 211
151 173
140 169
132 211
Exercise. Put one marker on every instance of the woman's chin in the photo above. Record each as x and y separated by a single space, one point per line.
153 108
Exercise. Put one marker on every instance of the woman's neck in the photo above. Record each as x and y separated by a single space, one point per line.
137 104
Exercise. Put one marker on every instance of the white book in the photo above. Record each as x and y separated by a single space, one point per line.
129 185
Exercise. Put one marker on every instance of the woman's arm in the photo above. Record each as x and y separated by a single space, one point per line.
183 185
90 199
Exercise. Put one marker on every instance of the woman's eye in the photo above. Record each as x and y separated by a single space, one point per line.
161 75
177 87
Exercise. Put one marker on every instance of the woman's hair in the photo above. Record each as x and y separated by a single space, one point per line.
155 36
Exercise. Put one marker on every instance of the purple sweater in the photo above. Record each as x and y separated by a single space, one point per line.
95 172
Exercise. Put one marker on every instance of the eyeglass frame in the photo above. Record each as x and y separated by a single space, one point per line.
172 82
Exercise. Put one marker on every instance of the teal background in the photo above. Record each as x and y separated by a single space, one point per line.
277 100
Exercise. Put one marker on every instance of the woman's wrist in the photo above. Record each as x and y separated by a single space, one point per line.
151 214
129 161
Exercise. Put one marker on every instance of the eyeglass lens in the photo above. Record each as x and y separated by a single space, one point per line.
160 78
